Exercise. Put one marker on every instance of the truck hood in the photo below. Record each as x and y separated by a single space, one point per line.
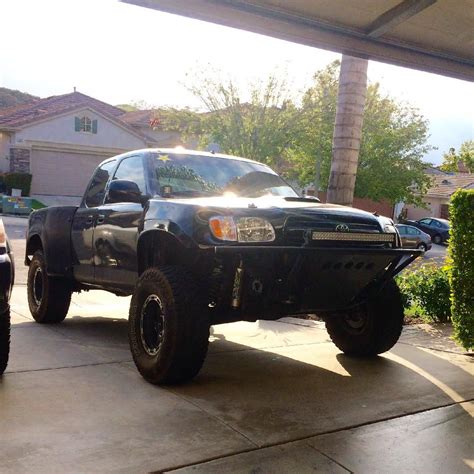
276 203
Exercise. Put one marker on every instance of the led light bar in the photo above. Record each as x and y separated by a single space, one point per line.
353 237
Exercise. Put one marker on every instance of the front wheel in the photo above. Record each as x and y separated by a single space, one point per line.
48 298
4 339
168 326
371 328
423 247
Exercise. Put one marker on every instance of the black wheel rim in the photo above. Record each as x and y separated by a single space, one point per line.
38 286
355 321
152 324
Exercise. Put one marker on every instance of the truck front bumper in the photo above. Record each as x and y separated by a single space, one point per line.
284 280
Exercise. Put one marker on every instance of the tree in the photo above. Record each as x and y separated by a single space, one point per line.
312 146
259 129
347 130
453 160
393 143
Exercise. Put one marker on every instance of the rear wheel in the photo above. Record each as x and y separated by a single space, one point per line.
437 239
48 298
371 328
4 339
168 326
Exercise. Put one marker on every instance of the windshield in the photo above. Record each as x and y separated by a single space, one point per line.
181 175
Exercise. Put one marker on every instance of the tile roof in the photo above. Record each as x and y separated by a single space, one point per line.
19 116
138 118
446 185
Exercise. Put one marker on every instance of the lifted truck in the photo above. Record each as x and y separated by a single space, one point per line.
198 239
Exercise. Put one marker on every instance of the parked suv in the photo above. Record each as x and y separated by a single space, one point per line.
7 273
413 238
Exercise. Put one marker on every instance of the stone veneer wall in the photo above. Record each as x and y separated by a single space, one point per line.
19 160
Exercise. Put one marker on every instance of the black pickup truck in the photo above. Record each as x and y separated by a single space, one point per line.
7 276
198 239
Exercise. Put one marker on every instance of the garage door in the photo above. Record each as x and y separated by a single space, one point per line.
58 173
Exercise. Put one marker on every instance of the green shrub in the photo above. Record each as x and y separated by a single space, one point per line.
428 289
461 275
18 181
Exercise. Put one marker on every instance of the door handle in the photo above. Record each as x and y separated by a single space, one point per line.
100 219
90 219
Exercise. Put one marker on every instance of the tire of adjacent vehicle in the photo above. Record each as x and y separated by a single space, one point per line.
423 247
437 239
4 340
382 318
185 326
52 305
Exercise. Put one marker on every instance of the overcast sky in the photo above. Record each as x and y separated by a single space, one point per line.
120 53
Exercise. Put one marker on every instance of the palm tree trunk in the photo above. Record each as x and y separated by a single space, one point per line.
347 130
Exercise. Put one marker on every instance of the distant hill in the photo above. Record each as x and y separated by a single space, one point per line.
10 97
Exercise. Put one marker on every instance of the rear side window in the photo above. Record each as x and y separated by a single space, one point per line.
96 190
412 231
425 221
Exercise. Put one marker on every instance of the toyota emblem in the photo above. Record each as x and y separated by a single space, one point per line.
342 228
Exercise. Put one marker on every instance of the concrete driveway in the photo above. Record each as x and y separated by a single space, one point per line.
272 397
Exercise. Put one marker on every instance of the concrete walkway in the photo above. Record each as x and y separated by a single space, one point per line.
272 397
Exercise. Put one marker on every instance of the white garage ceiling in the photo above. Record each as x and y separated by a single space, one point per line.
430 35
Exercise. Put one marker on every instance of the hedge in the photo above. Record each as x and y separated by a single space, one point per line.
427 288
9 181
461 271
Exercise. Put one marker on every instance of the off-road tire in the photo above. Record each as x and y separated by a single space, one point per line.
382 318
56 293
4 340
184 331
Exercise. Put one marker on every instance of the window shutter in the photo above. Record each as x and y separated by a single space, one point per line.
77 124
94 126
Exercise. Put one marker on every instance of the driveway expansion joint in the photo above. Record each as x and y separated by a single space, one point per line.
329 457
305 438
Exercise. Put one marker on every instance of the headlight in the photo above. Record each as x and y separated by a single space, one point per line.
242 229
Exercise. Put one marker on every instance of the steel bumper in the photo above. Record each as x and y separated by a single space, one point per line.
311 278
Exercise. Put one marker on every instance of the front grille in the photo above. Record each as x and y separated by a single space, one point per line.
299 228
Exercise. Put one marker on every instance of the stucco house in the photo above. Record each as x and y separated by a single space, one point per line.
438 196
61 139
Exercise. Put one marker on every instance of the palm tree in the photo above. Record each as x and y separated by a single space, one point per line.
347 130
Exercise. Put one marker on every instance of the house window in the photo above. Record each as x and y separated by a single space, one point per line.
85 124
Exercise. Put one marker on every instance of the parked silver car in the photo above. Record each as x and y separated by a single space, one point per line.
413 238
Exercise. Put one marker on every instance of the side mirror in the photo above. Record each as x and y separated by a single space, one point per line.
121 190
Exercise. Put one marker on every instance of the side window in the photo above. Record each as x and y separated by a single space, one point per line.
131 169
412 231
425 221
402 229
437 224
96 191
